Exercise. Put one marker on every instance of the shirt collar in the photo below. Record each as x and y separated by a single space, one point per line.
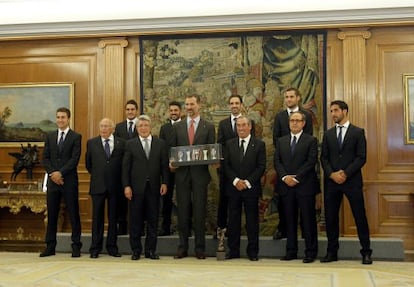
296 135
111 138
196 120
149 138
246 139
292 110
65 131
234 117
345 125
173 122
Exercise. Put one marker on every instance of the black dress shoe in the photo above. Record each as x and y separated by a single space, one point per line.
308 260
180 254
253 258
114 254
200 255
152 255
47 252
279 235
329 258
289 257
94 255
135 256
366 259
76 252
230 256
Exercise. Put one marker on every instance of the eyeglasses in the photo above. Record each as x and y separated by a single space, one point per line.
295 121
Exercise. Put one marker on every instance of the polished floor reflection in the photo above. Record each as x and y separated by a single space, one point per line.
27 269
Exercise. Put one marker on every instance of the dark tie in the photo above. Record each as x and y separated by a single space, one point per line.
242 149
107 149
146 148
340 136
234 126
191 132
293 145
61 140
130 130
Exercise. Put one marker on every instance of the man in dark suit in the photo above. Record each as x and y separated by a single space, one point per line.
145 178
60 158
244 165
227 130
294 161
342 157
281 128
174 109
126 130
192 181
103 161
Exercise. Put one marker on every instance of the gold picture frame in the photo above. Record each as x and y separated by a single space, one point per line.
28 111
408 83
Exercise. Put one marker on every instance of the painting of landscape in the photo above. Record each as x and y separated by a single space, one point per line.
27 111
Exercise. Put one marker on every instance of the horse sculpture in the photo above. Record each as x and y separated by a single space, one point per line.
27 159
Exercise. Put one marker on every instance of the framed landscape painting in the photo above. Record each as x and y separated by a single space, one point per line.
28 110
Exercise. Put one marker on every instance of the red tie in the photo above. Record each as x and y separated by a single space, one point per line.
191 132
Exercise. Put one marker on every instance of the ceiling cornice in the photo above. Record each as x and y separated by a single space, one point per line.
275 21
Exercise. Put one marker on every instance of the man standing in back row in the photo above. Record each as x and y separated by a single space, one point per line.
343 155
280 129
166 130
227 129
126 130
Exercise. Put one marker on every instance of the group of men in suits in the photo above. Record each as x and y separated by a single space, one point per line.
140 168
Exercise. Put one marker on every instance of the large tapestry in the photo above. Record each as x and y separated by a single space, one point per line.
257 66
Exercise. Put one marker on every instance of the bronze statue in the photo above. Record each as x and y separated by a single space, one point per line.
27 159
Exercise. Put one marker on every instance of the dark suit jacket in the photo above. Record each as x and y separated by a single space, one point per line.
205 134
66 161
301 163
136 168
350 158
121 131
225 131
105 174
251 167
166 132
281 124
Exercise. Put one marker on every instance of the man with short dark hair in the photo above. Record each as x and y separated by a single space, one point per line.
174 109
60 158
344 151
126 130
192 181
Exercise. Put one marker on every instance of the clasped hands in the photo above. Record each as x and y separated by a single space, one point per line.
338 176
57 177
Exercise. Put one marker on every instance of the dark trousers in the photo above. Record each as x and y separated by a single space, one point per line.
144 207
98 222
332 203
251 210
167 204
191 203
223 203
122 214
304 205
71 198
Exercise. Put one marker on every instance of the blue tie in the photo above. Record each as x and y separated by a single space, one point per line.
107 149
293 145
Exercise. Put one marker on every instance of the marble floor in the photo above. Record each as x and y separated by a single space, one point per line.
27 269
